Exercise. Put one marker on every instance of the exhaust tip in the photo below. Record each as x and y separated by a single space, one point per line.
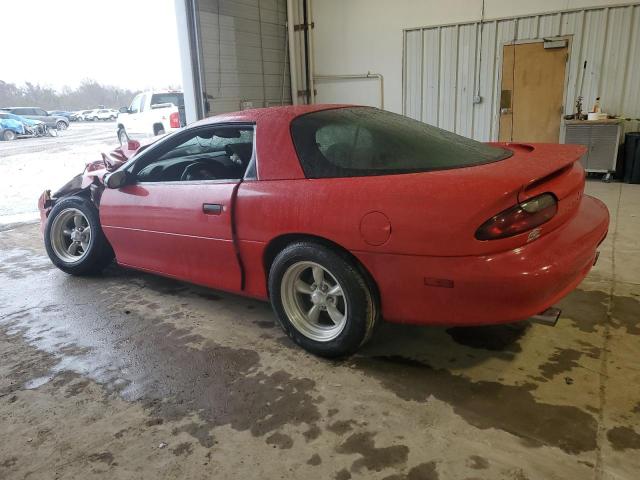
549 317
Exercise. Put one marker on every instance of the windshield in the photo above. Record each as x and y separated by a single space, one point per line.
363 141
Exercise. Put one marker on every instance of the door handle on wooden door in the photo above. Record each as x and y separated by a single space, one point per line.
212 208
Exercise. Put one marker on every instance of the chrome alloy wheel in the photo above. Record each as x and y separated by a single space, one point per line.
70 235
314 301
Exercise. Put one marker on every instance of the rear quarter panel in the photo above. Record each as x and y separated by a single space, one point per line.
428 214
432 214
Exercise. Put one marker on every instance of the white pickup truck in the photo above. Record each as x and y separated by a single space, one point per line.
151 113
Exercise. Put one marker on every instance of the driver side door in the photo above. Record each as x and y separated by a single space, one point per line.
174 224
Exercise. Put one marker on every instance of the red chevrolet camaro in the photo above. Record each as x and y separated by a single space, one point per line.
339 215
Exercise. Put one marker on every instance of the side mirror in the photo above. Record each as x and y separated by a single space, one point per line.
117 179
123 110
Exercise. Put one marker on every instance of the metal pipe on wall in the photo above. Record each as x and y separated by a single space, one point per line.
293 62
310 53
356 76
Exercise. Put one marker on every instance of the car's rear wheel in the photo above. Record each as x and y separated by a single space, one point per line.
60 125
74 239
123 138
8 135
322 300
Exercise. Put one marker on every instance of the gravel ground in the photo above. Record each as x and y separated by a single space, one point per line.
29 166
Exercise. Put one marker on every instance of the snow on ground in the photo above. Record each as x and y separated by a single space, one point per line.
31 165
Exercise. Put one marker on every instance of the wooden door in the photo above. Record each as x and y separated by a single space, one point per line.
532 93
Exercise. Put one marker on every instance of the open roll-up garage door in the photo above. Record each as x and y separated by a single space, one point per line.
238 54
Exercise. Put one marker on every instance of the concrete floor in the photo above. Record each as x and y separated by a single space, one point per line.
132 376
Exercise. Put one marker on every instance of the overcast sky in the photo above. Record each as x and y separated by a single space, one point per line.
127 43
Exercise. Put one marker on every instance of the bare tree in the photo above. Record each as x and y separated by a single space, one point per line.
90 94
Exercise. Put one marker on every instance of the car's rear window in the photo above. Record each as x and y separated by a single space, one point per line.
176 98
363 141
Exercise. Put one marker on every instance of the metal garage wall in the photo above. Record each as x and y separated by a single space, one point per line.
445 66
243 53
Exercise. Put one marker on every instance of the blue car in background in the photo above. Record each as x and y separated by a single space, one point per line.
12 126
10 129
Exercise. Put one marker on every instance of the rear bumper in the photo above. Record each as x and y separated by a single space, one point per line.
490 289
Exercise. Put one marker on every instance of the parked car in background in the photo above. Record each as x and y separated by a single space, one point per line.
107 114
91 115
80 115
151 113
61 113
10 128
52 121
339 216
26 126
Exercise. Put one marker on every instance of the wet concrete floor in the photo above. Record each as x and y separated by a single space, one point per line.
127 375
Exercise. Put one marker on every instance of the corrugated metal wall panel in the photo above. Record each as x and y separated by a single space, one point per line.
448 77
595 24
631 96
431 75
573 24
487 78
527 28
549 25
465 79
615 58
440 88
506 30
413 74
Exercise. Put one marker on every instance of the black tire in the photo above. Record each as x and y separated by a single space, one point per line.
360 301
158 130
60 125
8 135
122 136
98 253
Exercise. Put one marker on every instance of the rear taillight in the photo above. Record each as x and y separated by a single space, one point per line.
174 120
521 218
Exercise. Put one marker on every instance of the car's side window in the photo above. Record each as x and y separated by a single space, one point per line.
135 104
211 153
41 112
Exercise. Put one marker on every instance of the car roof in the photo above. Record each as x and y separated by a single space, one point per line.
277 158
286 112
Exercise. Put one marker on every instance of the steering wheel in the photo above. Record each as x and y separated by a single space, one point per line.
193 168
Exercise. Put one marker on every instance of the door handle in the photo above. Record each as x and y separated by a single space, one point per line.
212 208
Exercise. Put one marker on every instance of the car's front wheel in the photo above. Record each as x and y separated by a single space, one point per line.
74 239
322 300
60 125
8 135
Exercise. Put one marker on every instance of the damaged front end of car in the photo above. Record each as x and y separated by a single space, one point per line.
90 182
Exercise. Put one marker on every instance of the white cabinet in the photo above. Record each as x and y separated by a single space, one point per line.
600 138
